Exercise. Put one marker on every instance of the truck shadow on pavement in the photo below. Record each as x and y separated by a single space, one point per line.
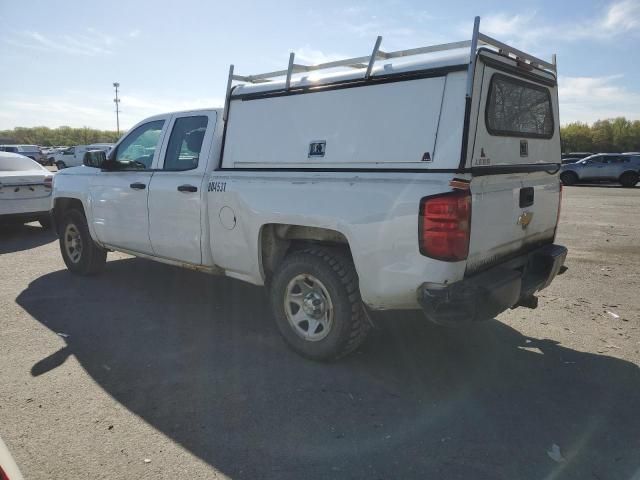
18 237
199 358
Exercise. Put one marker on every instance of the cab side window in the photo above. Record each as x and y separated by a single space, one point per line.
185 143
136 151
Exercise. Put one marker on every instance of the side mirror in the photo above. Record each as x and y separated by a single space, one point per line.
94 158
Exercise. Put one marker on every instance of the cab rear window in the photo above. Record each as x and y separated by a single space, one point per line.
517 108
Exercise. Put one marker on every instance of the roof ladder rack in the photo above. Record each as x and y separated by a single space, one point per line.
367 63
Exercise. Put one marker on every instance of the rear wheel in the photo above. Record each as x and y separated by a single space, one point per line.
60 164
79 252
317 305
629 179
568 178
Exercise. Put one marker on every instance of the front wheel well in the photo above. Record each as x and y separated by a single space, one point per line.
277 240
63 205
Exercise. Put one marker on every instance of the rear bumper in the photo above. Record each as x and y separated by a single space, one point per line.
486 294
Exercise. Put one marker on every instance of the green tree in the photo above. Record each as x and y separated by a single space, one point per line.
45 136
576 137
622 134
602 136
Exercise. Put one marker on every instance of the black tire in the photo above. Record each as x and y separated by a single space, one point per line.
568 178
629 179
336 274
90 258
45 222
51 162
60 165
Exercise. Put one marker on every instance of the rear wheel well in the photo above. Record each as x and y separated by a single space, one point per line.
277 240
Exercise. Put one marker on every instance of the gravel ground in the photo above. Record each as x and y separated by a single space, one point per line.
148 371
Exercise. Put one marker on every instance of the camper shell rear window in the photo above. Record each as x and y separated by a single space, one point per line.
516 108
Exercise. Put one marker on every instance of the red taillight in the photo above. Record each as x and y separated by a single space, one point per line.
445 225
48 182
3 476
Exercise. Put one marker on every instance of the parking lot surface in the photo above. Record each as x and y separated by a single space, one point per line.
149 371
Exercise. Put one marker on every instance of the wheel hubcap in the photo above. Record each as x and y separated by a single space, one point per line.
73 243
308 308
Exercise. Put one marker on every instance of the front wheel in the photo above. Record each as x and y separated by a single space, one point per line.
568 178
317 305
629 179
60 165
79 252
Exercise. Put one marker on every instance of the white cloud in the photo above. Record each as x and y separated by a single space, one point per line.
78 109
134 33
89 43
308 55
529 29
504 24
587 99
622 16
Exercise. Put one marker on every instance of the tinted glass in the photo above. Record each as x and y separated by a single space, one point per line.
185 143
137 149
518 108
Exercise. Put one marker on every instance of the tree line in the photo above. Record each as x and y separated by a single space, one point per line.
45 136
612 135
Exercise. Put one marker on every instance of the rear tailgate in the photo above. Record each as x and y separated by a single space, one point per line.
514 152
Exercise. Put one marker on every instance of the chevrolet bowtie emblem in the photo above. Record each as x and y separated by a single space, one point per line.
525 219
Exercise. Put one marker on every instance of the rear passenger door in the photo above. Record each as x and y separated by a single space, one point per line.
176 192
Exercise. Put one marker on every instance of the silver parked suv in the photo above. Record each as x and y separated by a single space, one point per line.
612 167
31 151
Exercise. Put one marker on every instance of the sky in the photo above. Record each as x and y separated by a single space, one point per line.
60 59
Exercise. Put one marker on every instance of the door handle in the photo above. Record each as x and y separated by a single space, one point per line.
187 188
138 186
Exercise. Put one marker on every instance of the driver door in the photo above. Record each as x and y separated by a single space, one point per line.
119 194
592 168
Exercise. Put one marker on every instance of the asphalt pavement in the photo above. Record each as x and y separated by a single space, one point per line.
150 371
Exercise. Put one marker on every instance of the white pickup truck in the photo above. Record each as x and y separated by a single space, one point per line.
414 180
72 156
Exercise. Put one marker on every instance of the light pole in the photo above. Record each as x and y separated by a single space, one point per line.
117 102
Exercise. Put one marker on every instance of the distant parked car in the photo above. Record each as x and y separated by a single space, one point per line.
613 167
31 151
25 190
72 156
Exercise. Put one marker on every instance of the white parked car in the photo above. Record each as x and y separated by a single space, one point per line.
25 190
72 156
8 468
429 184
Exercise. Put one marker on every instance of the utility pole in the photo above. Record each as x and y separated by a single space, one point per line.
117 102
